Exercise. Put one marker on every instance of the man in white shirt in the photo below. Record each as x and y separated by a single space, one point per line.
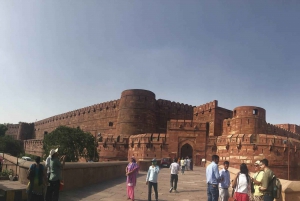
174 175
47 164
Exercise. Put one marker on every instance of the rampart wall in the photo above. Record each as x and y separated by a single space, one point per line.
290 127
94 119
167 110
13 130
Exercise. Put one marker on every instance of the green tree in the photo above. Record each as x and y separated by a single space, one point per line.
3 129
72 142
9 145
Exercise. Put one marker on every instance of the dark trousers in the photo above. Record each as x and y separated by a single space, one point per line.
53 191
182 169
212 192
174 179
34 197
268 197
150 184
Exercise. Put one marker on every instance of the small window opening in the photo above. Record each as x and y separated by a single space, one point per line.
255 112
110 124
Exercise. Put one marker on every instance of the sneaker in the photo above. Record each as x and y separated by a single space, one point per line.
171 189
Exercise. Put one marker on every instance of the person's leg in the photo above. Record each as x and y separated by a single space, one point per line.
55 190
175 180
155 190
268 198
49 192
183 167
131 192
128 193
221 194
226 194
214 192
171 183
209 196
149 190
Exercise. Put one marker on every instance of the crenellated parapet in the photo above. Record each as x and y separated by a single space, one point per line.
207 107
34 147
109 106
290 127
148 146
186 125
171 105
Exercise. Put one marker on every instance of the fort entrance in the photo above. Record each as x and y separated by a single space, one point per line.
186 151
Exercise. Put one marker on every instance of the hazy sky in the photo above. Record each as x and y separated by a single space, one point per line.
58 56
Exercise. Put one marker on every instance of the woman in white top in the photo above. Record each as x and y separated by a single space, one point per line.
241 183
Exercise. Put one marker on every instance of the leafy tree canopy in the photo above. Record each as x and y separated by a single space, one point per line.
72 142
3 129
9 145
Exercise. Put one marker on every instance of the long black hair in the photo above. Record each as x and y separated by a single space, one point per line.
244 170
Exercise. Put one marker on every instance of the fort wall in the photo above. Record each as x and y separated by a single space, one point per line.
13 130
94 119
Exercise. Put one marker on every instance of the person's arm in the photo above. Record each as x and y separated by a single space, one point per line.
264 183
156 170
235 180
148 175
216 172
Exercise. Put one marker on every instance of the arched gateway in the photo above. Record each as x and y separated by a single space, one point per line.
186 151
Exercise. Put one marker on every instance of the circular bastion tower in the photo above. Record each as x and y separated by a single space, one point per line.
248 120
136 112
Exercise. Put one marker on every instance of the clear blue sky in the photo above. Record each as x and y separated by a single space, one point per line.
57 56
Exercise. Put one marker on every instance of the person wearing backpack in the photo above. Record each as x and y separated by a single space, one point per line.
257 195
266 182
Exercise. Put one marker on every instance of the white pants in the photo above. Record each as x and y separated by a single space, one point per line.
223 194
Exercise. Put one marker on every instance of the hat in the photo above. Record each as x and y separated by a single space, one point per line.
257 162
53 151
154 160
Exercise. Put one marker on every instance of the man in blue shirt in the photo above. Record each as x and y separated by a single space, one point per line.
212 179
151 179
225 182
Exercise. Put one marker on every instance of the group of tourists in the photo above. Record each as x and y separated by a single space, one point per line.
218 182
186 164
152 175
39 181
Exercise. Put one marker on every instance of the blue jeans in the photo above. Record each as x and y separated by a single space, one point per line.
212 192
268 197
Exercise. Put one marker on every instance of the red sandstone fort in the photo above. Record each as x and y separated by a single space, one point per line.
139 125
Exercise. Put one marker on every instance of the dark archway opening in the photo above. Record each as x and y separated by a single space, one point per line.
186 151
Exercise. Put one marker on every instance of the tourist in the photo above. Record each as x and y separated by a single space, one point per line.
225 182
266 186
241 183
55 176
257 178
47 164
174 175
131 173
188 163
36 178
182 163
151 179
212 179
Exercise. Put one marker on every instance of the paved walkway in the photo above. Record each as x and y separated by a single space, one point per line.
191 186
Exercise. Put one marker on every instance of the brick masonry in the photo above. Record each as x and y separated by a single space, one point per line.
139 125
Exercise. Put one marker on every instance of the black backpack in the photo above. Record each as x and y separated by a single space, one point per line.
276 187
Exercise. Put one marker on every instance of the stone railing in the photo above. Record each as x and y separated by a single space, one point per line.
77 175
290 189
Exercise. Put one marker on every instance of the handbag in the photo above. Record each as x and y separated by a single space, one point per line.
232 198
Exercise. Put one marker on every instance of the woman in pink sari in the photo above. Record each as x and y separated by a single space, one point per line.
131 172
